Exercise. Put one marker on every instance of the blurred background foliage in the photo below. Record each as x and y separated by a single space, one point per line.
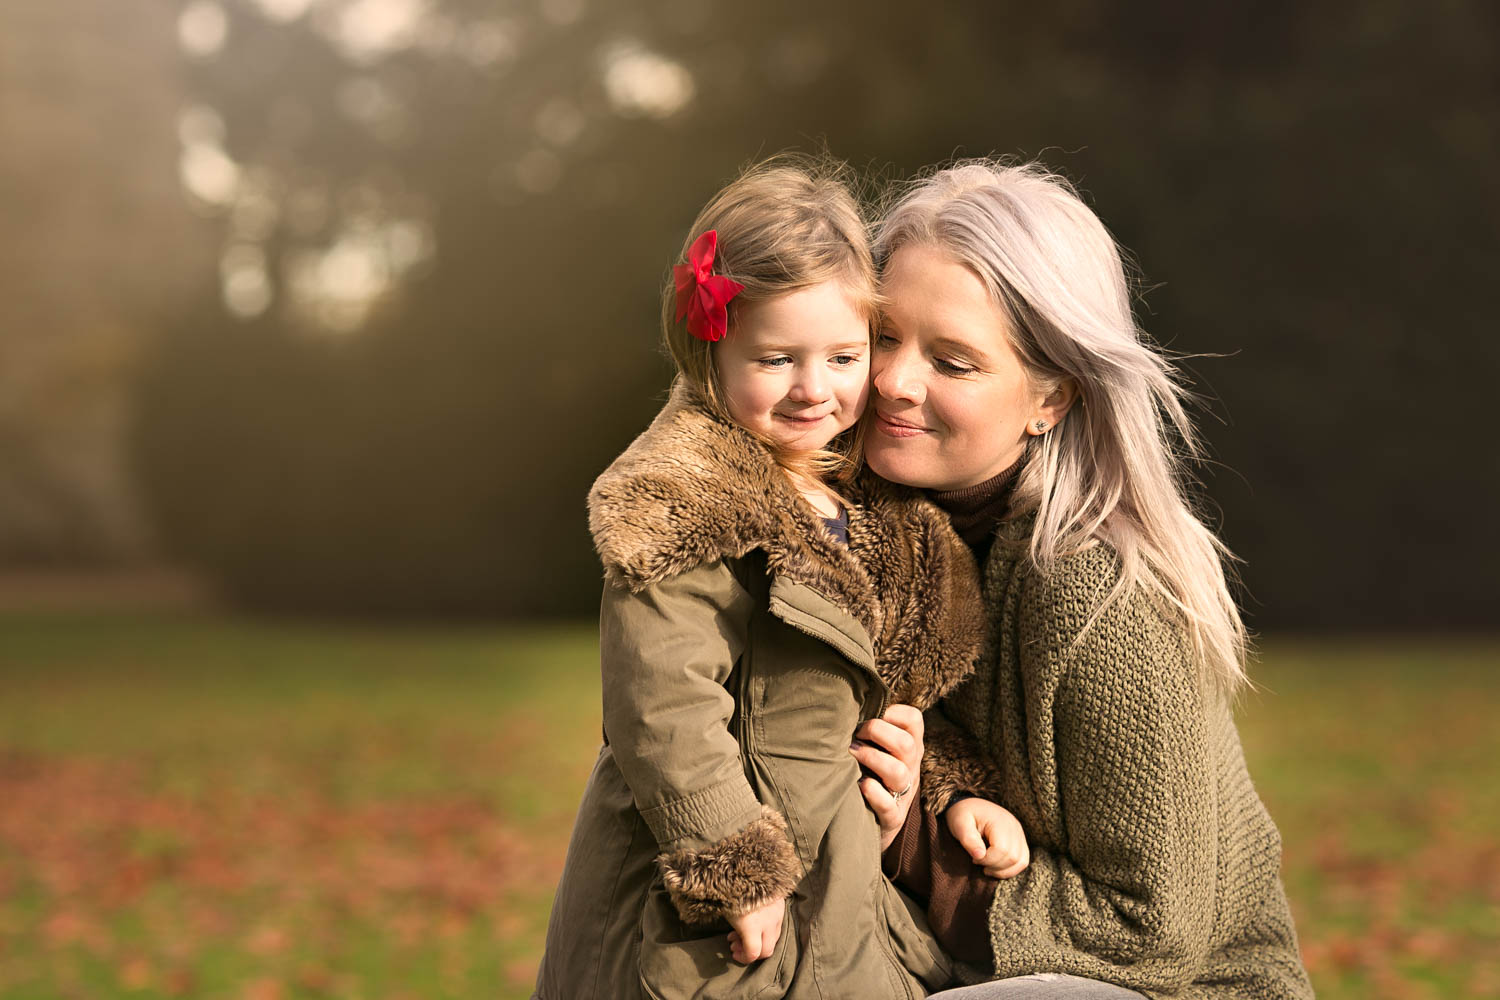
342 304
345 302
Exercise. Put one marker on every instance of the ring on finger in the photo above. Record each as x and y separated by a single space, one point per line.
898 796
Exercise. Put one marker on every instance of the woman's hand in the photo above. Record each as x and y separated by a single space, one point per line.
891 749
756 931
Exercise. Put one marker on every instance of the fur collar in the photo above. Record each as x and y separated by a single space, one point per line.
692 489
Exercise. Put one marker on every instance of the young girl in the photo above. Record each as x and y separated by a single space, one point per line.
761 602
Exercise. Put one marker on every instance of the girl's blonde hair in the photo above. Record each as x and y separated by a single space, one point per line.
786 223
1109 470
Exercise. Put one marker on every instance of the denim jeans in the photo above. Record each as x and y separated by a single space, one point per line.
1043 986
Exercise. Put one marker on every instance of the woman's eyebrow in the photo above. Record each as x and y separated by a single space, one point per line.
960 347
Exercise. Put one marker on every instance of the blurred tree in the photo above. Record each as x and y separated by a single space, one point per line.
96 239
445 226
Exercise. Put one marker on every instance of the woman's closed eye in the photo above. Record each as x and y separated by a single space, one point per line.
948 367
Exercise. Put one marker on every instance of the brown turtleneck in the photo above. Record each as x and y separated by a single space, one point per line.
925 859
976 510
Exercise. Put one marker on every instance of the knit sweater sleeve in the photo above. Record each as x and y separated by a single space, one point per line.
1121 883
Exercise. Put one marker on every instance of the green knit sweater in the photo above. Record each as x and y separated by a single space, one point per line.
1154 864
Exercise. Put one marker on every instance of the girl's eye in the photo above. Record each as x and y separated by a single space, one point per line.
950 368
845 360
781 362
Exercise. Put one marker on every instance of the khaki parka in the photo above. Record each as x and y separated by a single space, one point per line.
740 647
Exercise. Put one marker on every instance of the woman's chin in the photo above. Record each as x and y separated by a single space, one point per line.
892 461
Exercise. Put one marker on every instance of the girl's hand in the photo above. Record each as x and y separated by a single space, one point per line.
891 749
992 836
756 932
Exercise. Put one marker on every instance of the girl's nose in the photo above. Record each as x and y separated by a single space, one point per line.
810 386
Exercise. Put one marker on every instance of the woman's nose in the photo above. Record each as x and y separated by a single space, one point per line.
896 377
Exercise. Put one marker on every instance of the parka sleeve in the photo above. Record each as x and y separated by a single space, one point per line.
666 652
1124 892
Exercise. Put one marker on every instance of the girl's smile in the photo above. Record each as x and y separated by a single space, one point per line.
795 368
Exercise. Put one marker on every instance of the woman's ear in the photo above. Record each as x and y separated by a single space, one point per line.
1053 407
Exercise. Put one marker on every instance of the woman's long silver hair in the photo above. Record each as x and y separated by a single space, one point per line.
1114 469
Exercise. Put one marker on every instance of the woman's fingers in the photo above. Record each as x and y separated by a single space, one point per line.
907 717
890 748
890 813
885 807
897 741
892 772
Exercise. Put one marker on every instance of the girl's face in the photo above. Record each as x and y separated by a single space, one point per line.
796 368
953 404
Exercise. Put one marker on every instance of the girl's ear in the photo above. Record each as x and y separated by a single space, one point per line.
1053 407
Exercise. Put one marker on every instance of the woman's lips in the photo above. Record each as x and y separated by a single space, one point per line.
895 427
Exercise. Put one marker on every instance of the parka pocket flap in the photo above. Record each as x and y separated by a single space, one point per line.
692 961
804 608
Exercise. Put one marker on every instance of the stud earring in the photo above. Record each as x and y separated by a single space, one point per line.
1041 425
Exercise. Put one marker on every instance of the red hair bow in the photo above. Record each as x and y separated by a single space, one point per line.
702 296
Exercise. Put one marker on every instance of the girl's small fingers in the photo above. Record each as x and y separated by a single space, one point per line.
1009 866
974 844
752 946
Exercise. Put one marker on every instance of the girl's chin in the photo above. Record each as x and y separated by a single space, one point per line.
813 439
802 445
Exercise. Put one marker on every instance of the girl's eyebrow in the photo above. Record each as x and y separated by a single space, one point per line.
793 348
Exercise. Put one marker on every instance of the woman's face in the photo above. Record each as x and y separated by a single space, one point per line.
796 368
952 403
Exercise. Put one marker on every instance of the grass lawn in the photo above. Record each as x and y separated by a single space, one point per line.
200 806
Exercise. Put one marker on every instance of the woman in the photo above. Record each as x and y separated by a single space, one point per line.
1012 384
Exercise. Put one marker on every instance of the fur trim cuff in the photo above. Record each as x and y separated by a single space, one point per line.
953 764
739 873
